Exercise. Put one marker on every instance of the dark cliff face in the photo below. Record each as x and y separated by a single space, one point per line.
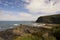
49 19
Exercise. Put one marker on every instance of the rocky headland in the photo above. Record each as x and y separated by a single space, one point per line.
53 19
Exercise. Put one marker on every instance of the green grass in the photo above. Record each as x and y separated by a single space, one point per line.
27 37
52 34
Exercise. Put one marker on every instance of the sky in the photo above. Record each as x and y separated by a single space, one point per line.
27 10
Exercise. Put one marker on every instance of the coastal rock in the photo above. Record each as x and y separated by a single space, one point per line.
24 32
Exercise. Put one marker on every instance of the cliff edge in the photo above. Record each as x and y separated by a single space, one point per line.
55 19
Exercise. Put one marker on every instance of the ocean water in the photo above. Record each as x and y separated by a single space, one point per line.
11 24
15 22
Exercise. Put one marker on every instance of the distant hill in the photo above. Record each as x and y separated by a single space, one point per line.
49 19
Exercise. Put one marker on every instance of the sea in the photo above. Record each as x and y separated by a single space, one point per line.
12 24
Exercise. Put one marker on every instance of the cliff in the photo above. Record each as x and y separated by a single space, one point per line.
49 19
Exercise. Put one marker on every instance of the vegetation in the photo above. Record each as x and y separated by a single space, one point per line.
31 33
41 34
49 19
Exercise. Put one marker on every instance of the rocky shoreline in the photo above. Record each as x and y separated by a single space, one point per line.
37 33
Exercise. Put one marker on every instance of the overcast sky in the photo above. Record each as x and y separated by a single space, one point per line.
27 10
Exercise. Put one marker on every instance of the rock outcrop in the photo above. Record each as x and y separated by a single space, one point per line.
49 19
25 32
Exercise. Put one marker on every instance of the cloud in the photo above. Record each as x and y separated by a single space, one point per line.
44 6
36 8
19 16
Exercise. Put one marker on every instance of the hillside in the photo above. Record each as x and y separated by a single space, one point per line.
49 19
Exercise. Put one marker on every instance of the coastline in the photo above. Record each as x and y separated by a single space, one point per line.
26 30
